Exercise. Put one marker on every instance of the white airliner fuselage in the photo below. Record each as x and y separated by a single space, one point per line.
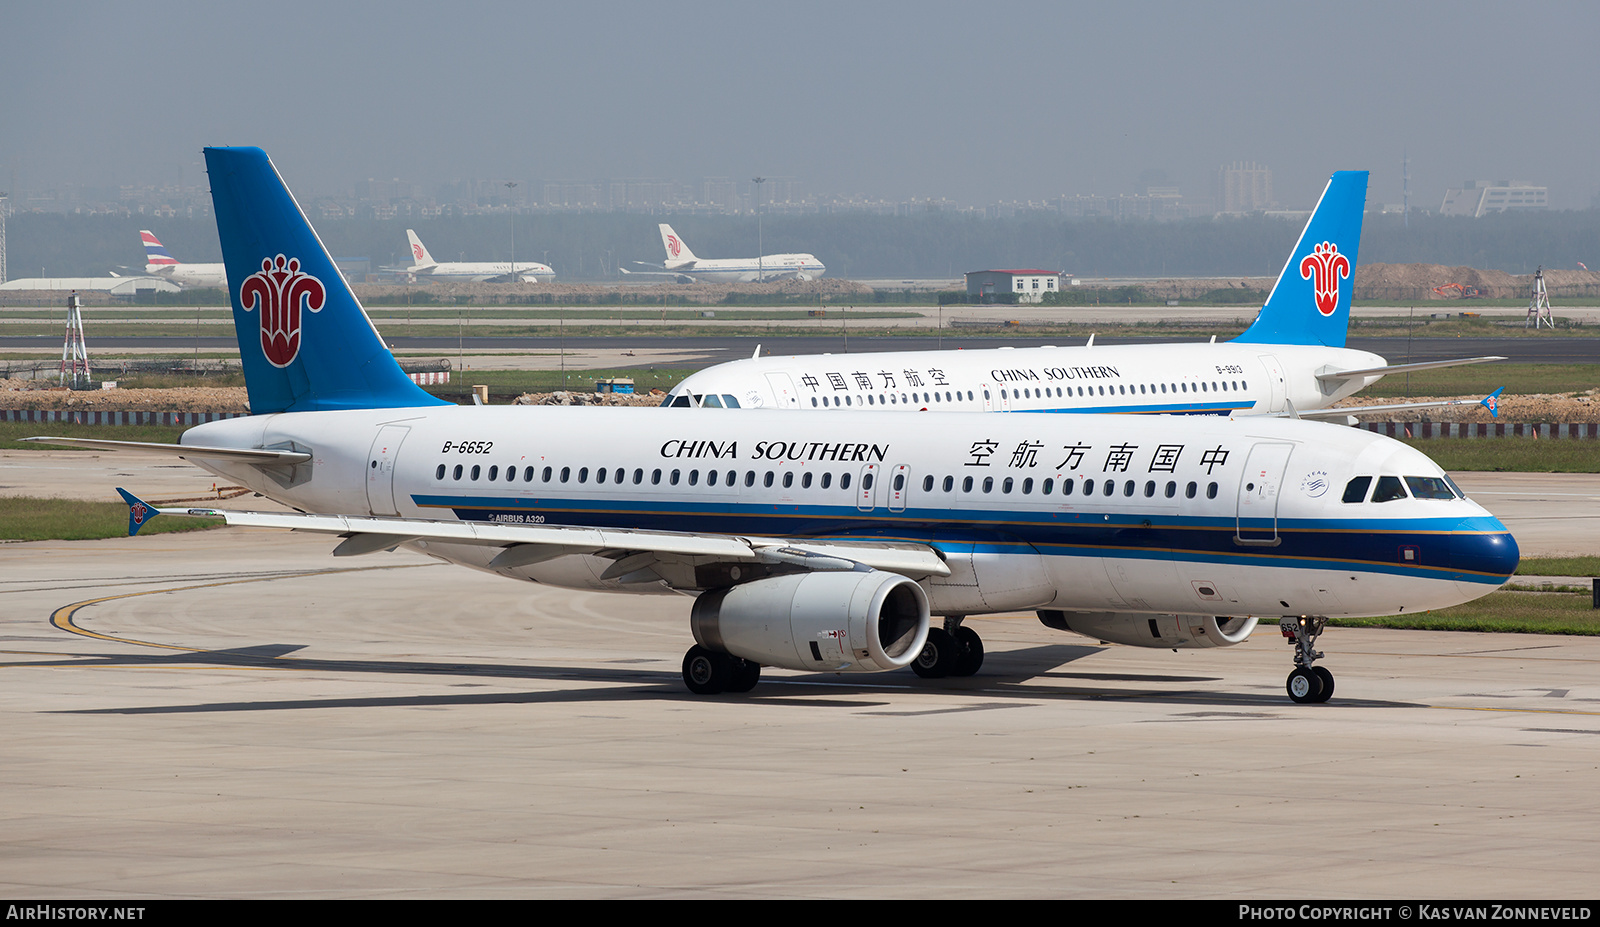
1291 359
1213 379
191 275
682 262
424 267
1092 515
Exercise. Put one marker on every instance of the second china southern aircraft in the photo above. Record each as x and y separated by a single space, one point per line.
1292 360
822 543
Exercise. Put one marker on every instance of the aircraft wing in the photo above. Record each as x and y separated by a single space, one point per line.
1401 368
263 456
635 552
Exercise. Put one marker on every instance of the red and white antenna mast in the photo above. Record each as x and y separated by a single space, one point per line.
74 353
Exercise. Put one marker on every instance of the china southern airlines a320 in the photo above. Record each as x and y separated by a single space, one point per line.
822 543
1292 360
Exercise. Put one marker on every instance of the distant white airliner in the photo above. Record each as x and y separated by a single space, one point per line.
423 266
159 262
682 263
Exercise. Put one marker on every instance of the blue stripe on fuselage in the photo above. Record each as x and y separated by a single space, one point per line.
1367 544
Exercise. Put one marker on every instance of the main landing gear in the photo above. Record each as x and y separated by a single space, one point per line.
953 650
1307 683
707 672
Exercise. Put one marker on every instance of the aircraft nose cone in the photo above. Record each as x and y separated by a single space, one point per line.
1494 553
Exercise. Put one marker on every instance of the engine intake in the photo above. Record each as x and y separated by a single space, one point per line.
843 622
1153 630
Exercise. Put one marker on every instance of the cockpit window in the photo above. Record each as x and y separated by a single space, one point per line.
1389 489
728 402
710 402
682 402
1429 487
1356 489
1453 486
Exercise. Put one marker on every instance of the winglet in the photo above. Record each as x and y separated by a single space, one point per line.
139 511
1492 402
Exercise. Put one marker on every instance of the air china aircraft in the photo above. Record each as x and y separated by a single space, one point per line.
1292 360
682 263
424 267
821 543
158 261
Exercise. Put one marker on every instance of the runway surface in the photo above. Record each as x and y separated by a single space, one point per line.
236 713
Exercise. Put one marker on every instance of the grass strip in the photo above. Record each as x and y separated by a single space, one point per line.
1508 612
27 518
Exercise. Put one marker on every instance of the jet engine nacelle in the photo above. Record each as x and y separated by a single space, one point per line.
1153 630
865 621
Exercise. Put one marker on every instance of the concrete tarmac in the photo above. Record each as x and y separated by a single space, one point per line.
235 713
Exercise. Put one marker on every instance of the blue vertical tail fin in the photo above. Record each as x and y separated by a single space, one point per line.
306 343
1310 304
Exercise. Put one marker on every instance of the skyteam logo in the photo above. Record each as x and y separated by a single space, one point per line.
1327 265
281 292
674 247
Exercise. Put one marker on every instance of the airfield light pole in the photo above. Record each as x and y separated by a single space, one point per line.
761 276
511 185
3 204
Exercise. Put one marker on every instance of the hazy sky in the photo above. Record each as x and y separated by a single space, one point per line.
974 102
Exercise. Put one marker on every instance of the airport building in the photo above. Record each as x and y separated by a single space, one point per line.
1243 186
1029 286
1478 197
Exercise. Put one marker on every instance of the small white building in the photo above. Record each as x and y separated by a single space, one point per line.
117 286
1029 286
1479 197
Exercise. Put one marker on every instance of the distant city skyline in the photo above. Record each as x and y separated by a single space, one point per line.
1236 188
885 102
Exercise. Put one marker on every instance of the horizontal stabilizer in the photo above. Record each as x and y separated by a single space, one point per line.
139 511
260 456
1336 375
1490 402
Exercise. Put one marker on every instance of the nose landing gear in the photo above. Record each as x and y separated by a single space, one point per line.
1306 683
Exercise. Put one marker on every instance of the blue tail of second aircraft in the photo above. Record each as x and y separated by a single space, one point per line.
1310 304
306 343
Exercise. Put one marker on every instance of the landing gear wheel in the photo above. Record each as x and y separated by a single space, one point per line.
706 672
970 657
1304 685
1327 682
938 657
745 674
